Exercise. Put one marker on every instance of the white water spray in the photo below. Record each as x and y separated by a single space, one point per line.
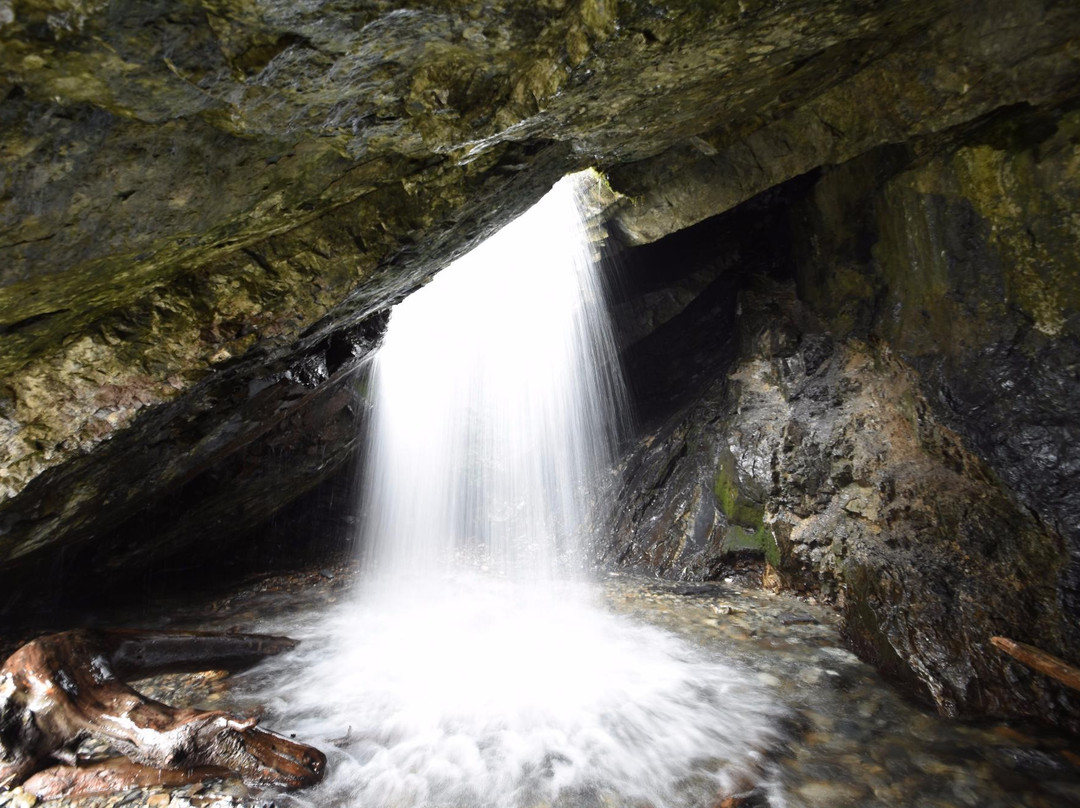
500 683
496 388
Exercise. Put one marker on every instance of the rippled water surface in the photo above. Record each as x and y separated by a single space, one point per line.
825 730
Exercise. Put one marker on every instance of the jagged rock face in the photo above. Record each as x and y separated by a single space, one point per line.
894 425
957 63
826 458
206 209
972 277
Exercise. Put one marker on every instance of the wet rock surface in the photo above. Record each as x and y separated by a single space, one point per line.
207 689
206 210
853 739
963 264
287 432
197 197
825 459
861 428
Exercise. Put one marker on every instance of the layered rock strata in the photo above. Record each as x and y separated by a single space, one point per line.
893 421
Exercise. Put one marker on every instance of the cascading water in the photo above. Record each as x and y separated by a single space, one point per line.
496 393
474 667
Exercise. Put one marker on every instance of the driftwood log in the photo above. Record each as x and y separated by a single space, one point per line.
62 689
1040 660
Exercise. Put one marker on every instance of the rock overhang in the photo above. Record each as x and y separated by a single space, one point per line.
197 196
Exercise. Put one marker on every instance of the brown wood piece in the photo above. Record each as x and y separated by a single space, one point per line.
61 689
110 776
1041 661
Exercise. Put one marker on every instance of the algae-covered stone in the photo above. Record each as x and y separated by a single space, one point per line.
913 407
730 490
845 99
868 500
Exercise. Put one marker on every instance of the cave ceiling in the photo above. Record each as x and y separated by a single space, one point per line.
197 198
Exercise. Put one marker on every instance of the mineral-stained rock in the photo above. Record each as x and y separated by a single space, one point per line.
964 264
899 433
954 67
833 465
207 208
195 195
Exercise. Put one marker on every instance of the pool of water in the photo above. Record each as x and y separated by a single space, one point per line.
858 742
660 694
473 692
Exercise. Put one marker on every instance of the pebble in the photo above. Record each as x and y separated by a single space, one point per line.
829 794
796 619
865 737
840 655
811 676
17 798
868 708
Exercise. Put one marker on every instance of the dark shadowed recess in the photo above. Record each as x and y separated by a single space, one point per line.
675 300
285 497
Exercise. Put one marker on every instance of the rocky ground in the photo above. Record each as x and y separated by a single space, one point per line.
207 209
853 740
827 458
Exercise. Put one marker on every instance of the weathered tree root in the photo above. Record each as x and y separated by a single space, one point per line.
61 689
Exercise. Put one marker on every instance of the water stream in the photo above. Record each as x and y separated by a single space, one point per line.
475 665
497 400
852 740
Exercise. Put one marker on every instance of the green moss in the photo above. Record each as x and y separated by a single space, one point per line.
981 231
738 509
746 530
1028 198
761 540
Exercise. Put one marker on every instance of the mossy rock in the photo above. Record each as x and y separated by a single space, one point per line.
739 539
746 530
739 509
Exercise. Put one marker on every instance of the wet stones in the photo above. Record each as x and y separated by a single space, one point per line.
344 157
854 491
856 741
853 741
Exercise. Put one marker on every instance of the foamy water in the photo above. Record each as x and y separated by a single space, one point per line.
483 693
497 395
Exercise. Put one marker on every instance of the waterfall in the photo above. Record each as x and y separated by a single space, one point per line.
475 667
497 392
